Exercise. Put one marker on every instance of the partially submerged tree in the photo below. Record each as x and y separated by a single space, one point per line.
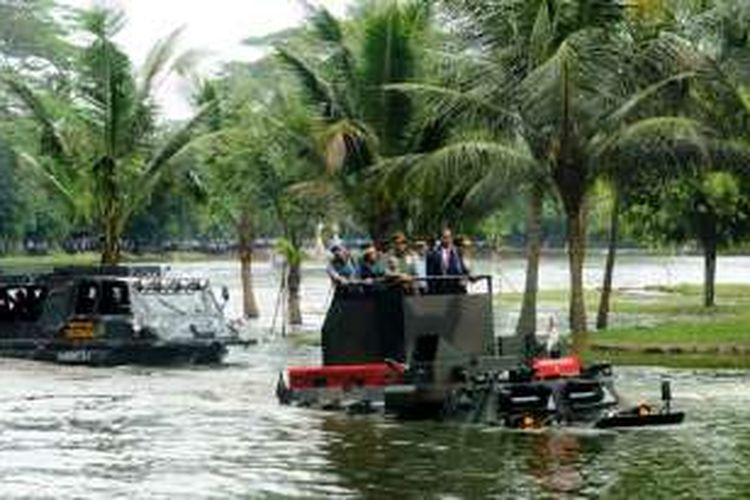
261 157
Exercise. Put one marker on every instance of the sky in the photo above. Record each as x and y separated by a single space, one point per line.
215 26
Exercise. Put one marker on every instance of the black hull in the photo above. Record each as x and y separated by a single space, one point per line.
109 354
630 420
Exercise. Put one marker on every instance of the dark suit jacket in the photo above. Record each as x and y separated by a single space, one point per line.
436 266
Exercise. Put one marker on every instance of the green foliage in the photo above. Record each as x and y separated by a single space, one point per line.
99 147
30 35
712 208
343 75
9 195
390 118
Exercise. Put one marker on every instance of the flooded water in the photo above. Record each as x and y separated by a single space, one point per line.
69 432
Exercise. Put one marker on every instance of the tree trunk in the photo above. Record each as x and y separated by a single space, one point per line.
602 318
576 257
245 236
108 209
111 244
294 279
709 285
526 327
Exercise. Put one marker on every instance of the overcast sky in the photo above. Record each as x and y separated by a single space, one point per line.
217 26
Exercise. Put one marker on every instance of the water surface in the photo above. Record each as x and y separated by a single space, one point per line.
71 432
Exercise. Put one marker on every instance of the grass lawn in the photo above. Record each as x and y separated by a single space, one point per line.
668 326
89 259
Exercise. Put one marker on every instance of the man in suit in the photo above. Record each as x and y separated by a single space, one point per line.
445 260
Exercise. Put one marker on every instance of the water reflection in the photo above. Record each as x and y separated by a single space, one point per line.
374 458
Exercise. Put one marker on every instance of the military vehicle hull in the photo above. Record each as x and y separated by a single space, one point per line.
111 316
114 354
421 355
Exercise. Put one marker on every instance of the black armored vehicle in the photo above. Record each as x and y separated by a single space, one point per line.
112 316
429 351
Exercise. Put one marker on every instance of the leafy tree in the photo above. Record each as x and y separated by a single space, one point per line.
100 149
719 56
712 210
9 197
575 116
263 159
343 71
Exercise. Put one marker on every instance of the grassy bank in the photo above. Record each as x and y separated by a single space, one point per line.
667 326
89 259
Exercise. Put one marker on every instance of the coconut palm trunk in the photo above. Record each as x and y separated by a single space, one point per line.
576 257
602 318
527 321
111 250
245 233
709 282
293 282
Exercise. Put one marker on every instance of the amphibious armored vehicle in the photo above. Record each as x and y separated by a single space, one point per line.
430 352
112 316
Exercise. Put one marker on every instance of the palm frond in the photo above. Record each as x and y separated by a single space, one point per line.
641 98
388 55
317 91
670 146
58 184
102 21
542 37
177 144
454 103
54 143
455 163
325 25
157 61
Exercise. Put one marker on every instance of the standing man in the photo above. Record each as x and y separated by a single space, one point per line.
445 260
341 268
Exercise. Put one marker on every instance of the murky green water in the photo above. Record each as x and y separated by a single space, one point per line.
218 433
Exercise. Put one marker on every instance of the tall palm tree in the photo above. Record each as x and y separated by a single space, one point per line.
579 112
101 149
344 78
719 51
261 157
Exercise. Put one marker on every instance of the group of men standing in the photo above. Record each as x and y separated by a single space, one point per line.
415 267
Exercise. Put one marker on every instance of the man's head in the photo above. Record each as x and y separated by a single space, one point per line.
370 254
446 238
338 251
400 243
420 247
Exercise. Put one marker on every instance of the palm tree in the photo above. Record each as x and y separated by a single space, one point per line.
261 158
720 41
100 148
579 112
344 79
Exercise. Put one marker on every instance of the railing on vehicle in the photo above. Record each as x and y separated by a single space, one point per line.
174 285
373 321
113 271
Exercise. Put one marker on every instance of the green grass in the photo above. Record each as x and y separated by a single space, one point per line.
668 326
721 330
698 361
54 259
88 259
